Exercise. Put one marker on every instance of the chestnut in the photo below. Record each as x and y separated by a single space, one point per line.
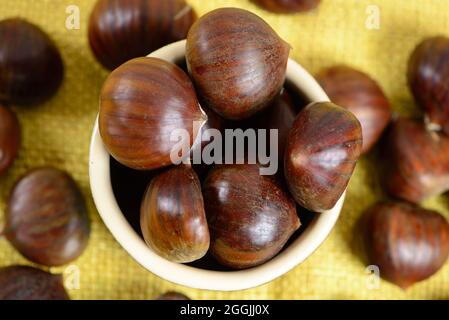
28 283
9 138
46 217
172 295
237 61
120 30
288 6
142 103
250 216
360 94
31 67
406 242
428 76
172 216
417 161
323 147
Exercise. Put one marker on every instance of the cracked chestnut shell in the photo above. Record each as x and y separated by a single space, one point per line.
407 243
250 216
288 6
322 150
9 138
142 103
120 30
172 217
428 78
359 93
31 67
417 161
46 218
28 283
237 61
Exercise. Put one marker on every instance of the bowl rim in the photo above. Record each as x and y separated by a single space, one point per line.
293 255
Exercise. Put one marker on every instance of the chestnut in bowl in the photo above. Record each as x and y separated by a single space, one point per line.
203 277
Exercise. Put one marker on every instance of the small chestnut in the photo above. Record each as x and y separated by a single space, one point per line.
31 67
172 295
172 216
288 6
428 77
46 218
9 138
323 147
237 61
406 242
360 94
417 161
250 216
120 30
28 283
141 104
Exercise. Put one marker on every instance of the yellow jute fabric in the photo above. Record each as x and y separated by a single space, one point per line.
339 31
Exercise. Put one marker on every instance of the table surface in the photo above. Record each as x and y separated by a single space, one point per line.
58 132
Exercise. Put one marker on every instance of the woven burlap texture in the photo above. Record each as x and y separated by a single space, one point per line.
339 31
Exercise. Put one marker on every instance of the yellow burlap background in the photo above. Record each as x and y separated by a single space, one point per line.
58 132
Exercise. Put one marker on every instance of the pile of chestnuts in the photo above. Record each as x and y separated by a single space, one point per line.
236 66
46 217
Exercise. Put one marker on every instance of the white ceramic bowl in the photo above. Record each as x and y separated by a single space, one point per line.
290 257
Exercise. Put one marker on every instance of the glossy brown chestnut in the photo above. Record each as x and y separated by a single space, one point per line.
360 94
27 283
172 216
323 147
120 30
31 68
406 242
428 78
250 216
417 161
237 62
9 138
46 218
288 6
172 295
142 103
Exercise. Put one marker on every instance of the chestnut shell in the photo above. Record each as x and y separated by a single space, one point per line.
237 61
406 242
323 147
428 78
9 138
31 67
172 217
172 295
360 94
417 161
46 218
141 104
28 283
250 216
120 30
288 6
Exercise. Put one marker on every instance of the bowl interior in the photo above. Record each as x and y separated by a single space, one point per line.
117 192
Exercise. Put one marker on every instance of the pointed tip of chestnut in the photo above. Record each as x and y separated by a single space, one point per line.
408 243
322 150
237 62
288 6
357 92
31 67
417 161
142 104
140 26
251 217
173 220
